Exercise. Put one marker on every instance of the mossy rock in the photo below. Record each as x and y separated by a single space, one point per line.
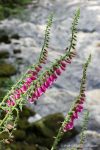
26 112
70 134
19 135
54 121
32 139
5 82
4 54
41 148
6 70
2 94
47 126
41 141
22 146
41 130
22 124
46 142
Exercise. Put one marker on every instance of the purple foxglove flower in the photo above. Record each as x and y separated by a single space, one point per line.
12 103
79 108
74 116
40 91
34 73
29 80
82 99
47 83
31 100
9 102
38 68
16 96
63 64
43 88
62 68
33 78
81 102
37 94
12 98
58 71
51 78
68 126
54 76
24 88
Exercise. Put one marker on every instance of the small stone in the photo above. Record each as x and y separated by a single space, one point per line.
19 135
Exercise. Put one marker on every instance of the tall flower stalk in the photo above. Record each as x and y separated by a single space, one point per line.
36 81
76 108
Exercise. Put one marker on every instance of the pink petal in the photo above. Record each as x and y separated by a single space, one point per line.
8 102
24 88
58 71
74 116
54 76
12 98
43 88
63 64
62 68
31 100
17 96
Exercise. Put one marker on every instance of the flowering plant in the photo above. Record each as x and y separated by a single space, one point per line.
35 82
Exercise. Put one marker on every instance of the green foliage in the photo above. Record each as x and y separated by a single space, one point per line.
44 51
74 30
68 116
11 7
84 128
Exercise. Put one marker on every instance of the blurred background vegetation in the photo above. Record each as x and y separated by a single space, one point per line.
11 7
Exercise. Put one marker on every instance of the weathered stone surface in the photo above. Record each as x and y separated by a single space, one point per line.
92 141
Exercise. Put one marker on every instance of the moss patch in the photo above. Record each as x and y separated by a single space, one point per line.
6 70
4 54
2 93
10 7
20 135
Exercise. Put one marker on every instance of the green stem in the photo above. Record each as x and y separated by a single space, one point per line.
57 139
